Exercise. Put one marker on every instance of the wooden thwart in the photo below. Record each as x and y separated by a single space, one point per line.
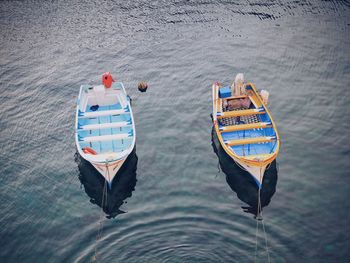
248 126
236 97
105 125
237 113
95 114
250 141
106 137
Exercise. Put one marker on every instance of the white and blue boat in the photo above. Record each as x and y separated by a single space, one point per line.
104 128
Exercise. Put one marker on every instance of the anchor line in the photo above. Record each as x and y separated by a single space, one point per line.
260 218
103 203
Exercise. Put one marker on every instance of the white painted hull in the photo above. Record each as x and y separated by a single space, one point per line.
109 170
106 161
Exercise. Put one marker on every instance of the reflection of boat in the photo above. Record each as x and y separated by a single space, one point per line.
105 130
242 183
109 199
248 135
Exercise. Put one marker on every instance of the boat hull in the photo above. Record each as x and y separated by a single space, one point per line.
241 138
242 183
105 136
123 185
109 170
257 172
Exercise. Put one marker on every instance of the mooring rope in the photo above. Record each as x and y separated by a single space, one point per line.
256 238
260 218
103 202
265 236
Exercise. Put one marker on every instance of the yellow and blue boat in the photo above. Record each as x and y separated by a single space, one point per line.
248 135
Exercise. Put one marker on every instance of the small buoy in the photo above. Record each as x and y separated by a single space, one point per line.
107 80
142 86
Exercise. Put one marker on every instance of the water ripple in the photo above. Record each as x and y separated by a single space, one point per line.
182 209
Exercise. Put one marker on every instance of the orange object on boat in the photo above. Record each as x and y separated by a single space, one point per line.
89 151
107 80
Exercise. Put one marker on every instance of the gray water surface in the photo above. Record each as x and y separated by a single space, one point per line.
182 209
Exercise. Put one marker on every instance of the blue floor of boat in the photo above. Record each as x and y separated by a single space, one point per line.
116 106
251 149
111 145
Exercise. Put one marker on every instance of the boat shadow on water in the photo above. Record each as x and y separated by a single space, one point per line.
242 183
95 186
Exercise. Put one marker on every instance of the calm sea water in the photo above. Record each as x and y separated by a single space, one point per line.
171 203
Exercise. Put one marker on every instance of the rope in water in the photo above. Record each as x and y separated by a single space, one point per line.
260 218
103 202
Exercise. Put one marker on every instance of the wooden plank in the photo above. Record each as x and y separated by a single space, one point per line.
249 141
236 97
218 105
95 114
106 137
104 125
249 126
259 156
237 113
255 101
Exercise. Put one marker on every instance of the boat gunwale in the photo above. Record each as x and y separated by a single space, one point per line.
229 151
127 151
